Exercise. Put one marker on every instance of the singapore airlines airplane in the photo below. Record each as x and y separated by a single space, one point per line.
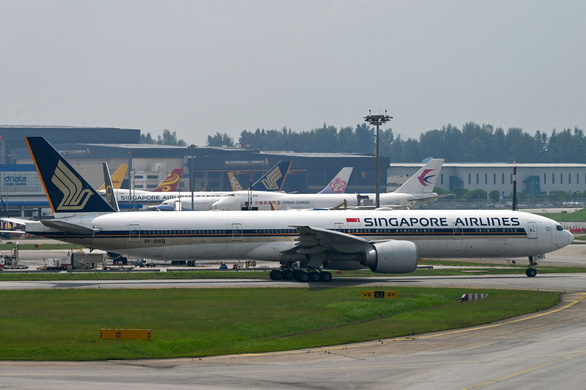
385 241
415 191
273 179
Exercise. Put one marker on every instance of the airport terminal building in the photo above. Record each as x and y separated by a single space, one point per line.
205 168
532 179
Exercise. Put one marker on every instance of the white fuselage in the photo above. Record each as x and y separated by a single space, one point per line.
283 201
203 200
265 235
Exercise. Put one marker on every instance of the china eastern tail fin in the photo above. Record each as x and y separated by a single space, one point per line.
338 183
67 191
170 182
117 178
110 196
423 181
274 179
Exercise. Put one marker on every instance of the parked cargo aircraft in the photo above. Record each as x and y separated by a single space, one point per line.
272 179
117 177
336 186
415 191
387 241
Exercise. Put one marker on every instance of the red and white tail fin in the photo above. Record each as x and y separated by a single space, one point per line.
170 182
424 180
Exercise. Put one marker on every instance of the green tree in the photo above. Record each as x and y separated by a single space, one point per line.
478 194
460 192
146 139
219 140
169 138
495 196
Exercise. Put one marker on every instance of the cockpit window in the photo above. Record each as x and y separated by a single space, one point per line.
559 228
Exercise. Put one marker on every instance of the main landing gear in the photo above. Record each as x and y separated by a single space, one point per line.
531 272
300 275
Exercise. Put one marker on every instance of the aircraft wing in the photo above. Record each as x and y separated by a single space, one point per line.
318 240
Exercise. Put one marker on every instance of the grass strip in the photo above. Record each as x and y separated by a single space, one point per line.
486 269
65 324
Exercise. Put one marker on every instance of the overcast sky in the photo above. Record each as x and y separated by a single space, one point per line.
200 67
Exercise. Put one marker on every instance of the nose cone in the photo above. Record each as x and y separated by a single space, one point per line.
566 238
569 237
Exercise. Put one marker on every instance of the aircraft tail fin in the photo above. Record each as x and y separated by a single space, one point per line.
236 186
117 178
423 181
274 179
170 182
110 196
67 191
338 183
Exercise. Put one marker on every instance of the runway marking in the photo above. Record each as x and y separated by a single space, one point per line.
525 371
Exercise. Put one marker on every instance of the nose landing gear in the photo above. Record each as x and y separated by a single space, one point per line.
531 272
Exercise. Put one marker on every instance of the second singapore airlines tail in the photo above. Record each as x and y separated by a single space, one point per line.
272 180
170 182
338 183
117 178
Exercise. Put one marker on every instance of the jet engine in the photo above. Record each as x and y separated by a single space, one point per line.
393 257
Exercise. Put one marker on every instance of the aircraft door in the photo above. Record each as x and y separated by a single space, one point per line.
532 229
458 233
134 232
236 232
339 226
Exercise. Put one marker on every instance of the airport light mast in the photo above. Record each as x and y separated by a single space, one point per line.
191 148
377 120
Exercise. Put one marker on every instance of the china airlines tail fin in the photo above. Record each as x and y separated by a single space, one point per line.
338 183
110 197
424 180
117 178
67 191
170 182
274 179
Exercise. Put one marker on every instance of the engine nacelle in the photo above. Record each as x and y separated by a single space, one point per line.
392 257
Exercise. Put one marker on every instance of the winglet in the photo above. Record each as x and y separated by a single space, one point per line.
338 183
170 182
67 191
423 181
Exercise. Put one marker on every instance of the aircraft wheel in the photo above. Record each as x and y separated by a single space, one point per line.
287 274
276 275
325 276
531 272
314 276
302 276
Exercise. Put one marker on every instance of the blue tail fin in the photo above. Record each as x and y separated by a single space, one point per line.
67 191
274 179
